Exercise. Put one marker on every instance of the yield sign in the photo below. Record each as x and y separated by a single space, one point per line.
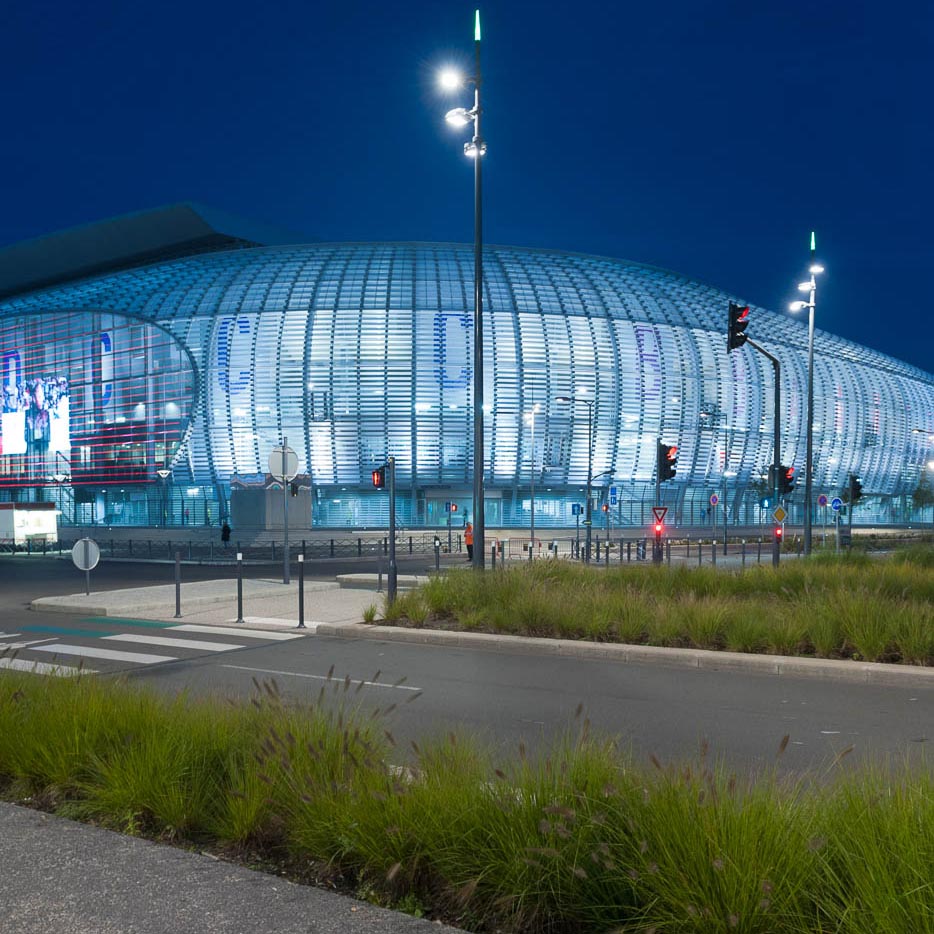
660 513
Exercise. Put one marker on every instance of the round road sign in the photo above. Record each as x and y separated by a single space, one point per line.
714 499
85 554
836 503
275 463
822 499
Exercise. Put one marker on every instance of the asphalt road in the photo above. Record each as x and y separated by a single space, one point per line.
508 696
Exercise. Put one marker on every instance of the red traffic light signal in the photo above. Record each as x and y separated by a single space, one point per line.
778 533
453 507
666 461
737 322
379 477
658 528
606 507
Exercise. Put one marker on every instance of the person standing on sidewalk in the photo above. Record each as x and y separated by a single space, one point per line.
225 534
468 541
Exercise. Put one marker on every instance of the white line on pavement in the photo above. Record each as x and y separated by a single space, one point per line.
23 645
41 668
163 642
230 631
9 635
301 674
137 658
269 621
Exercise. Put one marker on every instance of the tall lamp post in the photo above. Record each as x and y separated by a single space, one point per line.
811 287
530 418
588 508
475 149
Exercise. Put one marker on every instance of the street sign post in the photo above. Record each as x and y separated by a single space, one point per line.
822 499
85 556
836 503
283 466
779 514
660 512
714 499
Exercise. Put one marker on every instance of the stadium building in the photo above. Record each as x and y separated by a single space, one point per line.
151 361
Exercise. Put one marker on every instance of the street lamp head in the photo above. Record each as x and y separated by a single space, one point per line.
798 306
804 286
458 117
450 79
470 149
816 269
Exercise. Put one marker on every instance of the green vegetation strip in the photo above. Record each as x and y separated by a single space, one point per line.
578 840
855 606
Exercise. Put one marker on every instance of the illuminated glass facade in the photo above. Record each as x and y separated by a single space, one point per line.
354 351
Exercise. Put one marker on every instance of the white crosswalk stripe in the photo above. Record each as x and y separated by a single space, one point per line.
164 642
43 668
243 633
92 651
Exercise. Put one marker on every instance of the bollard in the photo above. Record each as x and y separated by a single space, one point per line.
713 552
607 556
169 549
493 557
385 546
273 550
620 551
189 550
437 553
668 550
359 547
178 584
150 547
628 552
687 549
743 555
332 547
598 549
239 586
301 589
379 573
759 551
410 545
700 552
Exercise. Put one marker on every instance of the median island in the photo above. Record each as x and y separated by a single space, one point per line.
856 606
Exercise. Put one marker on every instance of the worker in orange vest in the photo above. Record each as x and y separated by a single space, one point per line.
468 541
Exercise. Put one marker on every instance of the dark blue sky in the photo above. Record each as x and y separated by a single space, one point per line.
705 137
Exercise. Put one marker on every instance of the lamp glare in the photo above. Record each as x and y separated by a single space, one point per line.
450 79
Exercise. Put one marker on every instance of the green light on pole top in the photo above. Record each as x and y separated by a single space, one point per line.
476 28
813 240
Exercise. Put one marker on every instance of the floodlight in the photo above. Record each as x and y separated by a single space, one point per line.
457 117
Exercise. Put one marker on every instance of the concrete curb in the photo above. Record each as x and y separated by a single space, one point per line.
79 603
829 669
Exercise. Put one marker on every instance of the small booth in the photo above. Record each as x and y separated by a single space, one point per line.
25 523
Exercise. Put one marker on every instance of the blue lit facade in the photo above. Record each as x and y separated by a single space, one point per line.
201 363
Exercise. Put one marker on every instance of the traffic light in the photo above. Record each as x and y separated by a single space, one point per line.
667 461
659 528
379 477
605 507
737 322
778 534
856 489
786 480
453 507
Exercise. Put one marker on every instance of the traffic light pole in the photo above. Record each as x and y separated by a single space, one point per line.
391 591
777 442
656 548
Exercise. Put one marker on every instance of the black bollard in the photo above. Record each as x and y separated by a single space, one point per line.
493 557
301 589
437 553
743 555
239 586
713 552
178 584
668 550
628 552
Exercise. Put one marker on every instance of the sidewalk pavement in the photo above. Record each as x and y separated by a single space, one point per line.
62 877
332 609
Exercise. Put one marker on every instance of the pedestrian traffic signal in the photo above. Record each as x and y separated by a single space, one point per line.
667 461
737 322
786 480
605 507
379 477
778 533
453 507
856 489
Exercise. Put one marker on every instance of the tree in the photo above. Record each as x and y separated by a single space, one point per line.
923 495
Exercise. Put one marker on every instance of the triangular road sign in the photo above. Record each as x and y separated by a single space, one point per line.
660 512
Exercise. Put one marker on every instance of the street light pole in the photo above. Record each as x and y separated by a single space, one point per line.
811 287
531 416
588 509
475 149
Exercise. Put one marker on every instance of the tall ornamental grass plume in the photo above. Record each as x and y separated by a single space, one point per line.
850 606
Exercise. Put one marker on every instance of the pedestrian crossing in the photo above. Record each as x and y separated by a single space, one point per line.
105 645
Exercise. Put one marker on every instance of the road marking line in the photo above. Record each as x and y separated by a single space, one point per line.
137 658
42 668
230 631
23 645
301 674
163 642
9 635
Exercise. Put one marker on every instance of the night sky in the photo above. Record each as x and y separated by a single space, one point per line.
708 138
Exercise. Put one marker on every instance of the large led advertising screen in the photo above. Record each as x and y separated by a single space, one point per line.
35 418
